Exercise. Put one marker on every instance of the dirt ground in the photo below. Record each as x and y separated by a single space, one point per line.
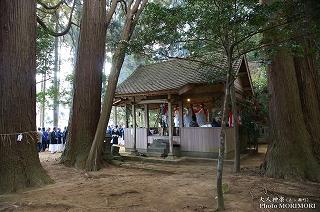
142 186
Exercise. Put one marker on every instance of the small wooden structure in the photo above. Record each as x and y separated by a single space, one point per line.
179 83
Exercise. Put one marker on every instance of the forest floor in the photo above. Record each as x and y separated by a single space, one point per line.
145 186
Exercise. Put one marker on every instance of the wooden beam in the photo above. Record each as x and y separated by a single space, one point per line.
115 115
170 126
126 116
153 101
190 96
134 129
185 89
180 116
146 120
151 93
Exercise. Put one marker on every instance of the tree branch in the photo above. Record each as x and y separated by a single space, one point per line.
52 32
44 80
111 12
198 61
54 7
51 12
130 3
124 6
270 44
200 39
259 31
138 13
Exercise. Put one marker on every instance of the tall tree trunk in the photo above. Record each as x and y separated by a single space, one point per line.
94 158
290 153
55 75
307 73
223 132
43 99
87 85
308 89
19 162
134 10
236 166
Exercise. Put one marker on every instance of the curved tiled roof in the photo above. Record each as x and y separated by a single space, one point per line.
169 75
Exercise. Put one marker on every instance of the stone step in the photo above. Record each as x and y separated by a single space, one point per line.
155 149
155 154
164 145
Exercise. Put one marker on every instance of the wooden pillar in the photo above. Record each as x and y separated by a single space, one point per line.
115 115
126 116
134 151
180 115
146 116
146 120
170 129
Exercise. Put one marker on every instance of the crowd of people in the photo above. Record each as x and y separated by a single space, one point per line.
52 140
117 134
55 140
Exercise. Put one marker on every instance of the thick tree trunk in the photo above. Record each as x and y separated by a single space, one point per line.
134 10
55 75
308 89
290 153
87 86
94 158
19 162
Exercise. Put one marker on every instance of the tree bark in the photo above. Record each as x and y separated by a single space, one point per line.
87 85
236 167
290 153
43 99
19 162
134 10
308 89
223 132
55 75
94 158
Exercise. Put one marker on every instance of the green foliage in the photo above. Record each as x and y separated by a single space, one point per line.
44 61
44 51
45 46
199 23
65 94
260 84
203 27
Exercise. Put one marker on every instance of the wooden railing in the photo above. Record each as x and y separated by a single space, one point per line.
193 139
205 139
141 138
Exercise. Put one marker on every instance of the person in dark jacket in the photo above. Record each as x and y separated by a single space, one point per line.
64 135
215 123
193 122
39 143
45 142
53 147
60 146
115 135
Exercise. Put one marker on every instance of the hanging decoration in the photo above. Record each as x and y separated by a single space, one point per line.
7 138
